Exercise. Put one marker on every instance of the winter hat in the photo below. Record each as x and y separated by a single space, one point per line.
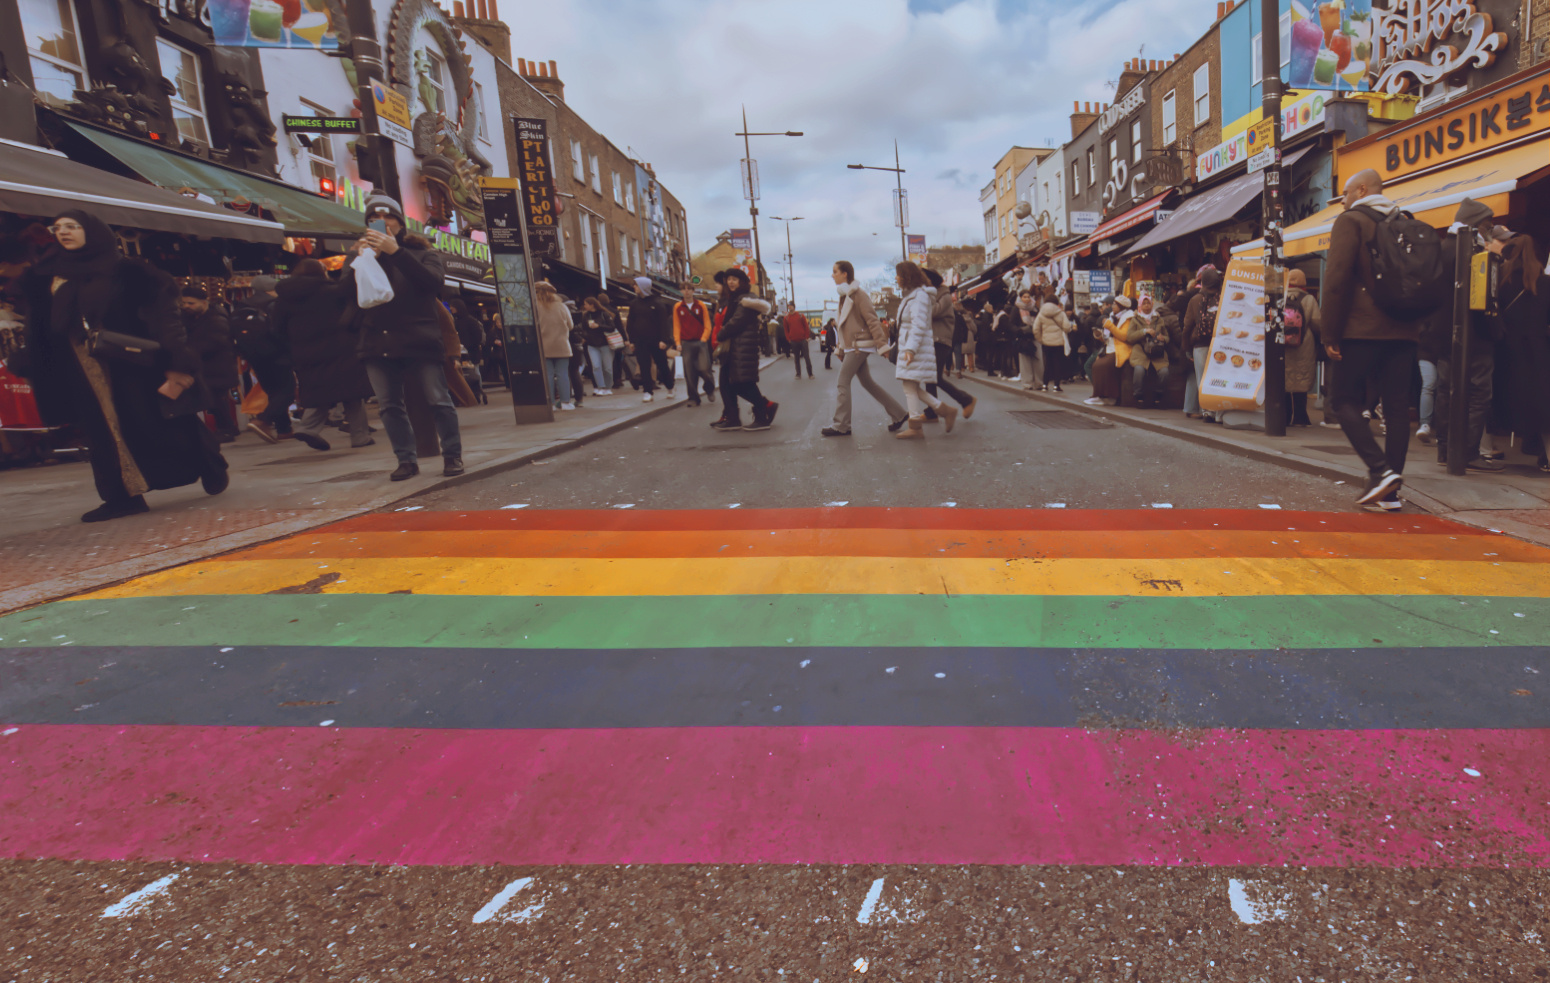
195 291
381 202
644 283
1211 279
264 284
1122 301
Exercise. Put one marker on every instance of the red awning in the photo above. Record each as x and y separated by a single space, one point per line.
1130 219
1075 249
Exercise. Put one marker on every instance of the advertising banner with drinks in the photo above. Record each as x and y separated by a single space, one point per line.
276 23
917 250
1331 45
742 255
1235 368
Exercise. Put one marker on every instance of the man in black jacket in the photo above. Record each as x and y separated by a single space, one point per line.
209 335
401 339
651 332
268 352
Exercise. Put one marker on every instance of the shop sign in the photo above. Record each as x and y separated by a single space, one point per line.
1235 369
1505 116
1161 171
537 185
1303 114
1410 38
1222 156
1083 223
393 119
320 124
1132 102
1100 282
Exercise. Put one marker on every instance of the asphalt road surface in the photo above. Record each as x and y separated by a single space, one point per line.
1035 700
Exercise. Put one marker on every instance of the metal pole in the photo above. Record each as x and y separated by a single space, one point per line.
753 207
898 176
1274 214
791 278
366 54
1459 451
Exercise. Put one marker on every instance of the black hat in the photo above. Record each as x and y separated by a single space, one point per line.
736 271
195 291
720 277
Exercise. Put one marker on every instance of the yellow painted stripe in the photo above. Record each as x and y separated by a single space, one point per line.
539 577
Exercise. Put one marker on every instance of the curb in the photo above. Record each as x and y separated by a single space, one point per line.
61 588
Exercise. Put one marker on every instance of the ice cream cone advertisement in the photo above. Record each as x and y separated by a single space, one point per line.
1330 45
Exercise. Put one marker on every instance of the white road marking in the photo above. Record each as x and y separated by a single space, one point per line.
890 670
803 665
1265 505
9 731
521 506
1054 505
326 723
835 505
134 903
500 900
860 964
1250 912
869 905
410 508
626 505
1472 773
1162 505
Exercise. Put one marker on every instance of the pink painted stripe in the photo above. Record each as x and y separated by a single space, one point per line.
777 795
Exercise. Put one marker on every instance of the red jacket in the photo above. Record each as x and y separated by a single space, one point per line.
797 328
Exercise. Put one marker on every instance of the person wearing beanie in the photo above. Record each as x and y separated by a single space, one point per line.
651 332
401 341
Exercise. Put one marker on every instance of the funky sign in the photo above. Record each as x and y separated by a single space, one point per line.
1409 38
1506 115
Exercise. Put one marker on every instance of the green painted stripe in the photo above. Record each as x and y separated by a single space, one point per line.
413 621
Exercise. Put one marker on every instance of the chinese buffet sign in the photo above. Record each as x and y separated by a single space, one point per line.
1474 126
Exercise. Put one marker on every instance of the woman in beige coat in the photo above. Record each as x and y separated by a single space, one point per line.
554 327
1302 358
1050 328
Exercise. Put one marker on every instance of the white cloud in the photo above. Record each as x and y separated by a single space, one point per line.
956 87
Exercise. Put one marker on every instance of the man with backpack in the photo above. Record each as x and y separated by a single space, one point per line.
1379 284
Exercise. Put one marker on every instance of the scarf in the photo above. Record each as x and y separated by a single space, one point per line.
80 268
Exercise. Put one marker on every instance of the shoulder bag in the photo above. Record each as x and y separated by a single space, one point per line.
114 346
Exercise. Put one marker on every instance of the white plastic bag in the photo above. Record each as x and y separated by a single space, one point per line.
372 288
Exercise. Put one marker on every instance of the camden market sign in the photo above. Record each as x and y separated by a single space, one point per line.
1514 111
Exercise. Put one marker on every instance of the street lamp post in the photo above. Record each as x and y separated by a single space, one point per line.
898 173
791 277
753 192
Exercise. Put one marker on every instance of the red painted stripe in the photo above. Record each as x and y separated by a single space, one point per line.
777 795
997 520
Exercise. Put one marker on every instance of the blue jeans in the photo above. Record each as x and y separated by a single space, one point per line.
1192 388
602 366
388 376
1428 391
559 378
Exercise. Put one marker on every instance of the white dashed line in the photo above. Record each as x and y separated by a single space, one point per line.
869 905
521 506
500 900
133 904
835 505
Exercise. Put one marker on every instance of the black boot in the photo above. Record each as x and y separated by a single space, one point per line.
117 510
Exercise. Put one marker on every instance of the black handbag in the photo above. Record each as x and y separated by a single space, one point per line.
112 346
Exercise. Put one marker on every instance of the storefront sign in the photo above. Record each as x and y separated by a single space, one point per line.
537 185
1235 369
503 209
1100 283
1410 37
393 119
1509 115
1303 114
1163 171
1083 223
1222 156
1117 112
320 124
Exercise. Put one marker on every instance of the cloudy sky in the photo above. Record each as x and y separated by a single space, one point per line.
956 82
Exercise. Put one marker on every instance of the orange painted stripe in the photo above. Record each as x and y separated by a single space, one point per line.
922 543
987 520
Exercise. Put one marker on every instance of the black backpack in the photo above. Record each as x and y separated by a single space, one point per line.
1411 275
253 334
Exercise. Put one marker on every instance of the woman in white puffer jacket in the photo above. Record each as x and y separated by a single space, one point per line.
917 352
1050 329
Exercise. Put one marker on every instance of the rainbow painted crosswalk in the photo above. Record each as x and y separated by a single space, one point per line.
903 686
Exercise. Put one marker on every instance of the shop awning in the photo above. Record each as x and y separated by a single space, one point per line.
1081 248
1434 198
1129 220
1210 207
302 213
985 277
42 183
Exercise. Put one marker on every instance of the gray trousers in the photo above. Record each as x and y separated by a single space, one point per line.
854 366
314 419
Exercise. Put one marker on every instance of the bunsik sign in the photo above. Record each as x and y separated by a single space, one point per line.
1486 122
537 184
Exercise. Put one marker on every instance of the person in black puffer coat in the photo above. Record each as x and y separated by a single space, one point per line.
209 335
312 314
743 330
401 342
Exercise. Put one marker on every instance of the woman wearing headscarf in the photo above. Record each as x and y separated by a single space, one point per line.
1525 306
138 410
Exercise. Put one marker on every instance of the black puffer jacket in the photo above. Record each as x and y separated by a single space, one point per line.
311 314
651 321
743 327
209 335
406 326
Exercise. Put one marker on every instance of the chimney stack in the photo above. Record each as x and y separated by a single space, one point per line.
1221 9
543 77
457 9
1081 118
478 20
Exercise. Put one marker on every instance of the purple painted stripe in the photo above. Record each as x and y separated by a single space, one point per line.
922 795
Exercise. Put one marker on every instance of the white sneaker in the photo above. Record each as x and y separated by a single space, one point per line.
567 406
1425 435
1093 401
671 395
646 398
605 392
1015 378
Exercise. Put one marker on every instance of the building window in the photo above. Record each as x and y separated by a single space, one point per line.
181 68
618 189
1170 118
1202 95
320 152
587 258
1046 196
1136 150
635 248
597 175
1092 166
1076 180
435 73
624 250
577 167
484 126
629 196
53 48
990 227
1113 157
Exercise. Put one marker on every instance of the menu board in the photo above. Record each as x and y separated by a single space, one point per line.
1235 369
